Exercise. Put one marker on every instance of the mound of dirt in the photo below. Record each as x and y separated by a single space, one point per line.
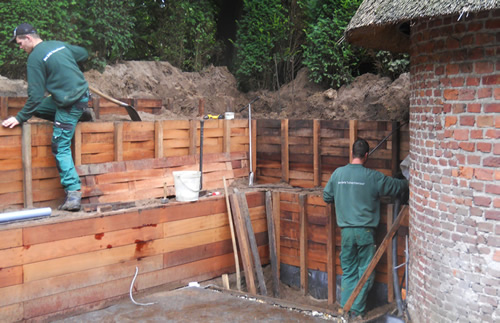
369 97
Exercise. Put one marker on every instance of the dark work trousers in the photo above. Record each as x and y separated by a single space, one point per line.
65 120
357 250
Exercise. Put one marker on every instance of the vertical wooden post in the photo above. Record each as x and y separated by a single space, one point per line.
316 153
159 153
254 148
226 139
26 155
118 141
353 135
285 165
395 148
303 245
277 227
390 282
271 232
331 254
201 107
193 124
4 107
97 110
78 144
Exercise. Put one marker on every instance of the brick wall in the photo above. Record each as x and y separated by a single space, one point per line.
455 152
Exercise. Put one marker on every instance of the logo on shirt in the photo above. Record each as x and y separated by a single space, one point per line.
350 183
52 52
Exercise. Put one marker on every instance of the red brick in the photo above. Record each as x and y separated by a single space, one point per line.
483 39
484 174
493 107
473 81
458 108
493 133
492 215
496 149
484 67
476 134
496 92
452 69
492 189
496 256
473 160
475 26
457 82
491 79
465 68
492 162
484 147
450 121
467 146
439 70
484 93
485 121
482 201
474 108
461 134
493 24
466 94
467 120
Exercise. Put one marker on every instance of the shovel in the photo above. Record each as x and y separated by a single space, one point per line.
132 112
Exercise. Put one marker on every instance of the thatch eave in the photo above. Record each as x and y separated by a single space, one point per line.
377 23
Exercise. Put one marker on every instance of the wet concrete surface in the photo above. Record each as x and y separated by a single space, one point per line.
196 304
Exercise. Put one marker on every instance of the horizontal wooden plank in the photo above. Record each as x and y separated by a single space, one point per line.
11 276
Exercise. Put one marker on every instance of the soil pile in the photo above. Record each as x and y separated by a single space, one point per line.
369 97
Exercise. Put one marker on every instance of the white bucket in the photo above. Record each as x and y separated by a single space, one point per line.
229 115
187 185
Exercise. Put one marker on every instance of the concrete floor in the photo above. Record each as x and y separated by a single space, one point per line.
196 304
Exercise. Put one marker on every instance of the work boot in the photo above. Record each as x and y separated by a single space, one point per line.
87 115
72 202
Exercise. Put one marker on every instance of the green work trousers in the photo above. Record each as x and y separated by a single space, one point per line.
65 120
357 250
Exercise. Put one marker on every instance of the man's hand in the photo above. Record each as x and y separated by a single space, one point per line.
10 122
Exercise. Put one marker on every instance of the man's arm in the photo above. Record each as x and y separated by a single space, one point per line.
328 196
36 91
10 122
79 53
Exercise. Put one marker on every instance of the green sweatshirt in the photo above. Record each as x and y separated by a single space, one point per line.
52 67
356 191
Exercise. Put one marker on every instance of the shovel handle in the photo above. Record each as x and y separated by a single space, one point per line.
107 97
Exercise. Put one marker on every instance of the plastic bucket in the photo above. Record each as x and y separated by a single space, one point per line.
229 115
187 185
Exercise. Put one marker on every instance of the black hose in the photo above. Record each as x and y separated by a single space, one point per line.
395 278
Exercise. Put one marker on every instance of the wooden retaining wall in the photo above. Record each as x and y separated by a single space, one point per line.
307 230
29 177
304 153
68 265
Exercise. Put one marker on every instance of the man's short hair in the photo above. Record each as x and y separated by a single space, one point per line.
360 148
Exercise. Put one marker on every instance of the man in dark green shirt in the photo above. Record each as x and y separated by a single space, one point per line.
356 191
53 67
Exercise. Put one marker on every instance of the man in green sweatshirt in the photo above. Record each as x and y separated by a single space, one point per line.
53 67
356 191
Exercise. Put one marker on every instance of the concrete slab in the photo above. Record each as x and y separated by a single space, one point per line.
196 304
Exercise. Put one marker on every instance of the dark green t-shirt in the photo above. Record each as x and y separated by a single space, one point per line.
356 191
53 67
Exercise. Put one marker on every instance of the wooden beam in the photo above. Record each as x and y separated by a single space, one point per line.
226 139
390 282
254 148
77 145
244 244
353 135
303 244
331 253
4 107
159 153
272 245
26 155
118 141
277 227
96 106
233 238
193 127
245 214
395 148
387 240
316 153
285 165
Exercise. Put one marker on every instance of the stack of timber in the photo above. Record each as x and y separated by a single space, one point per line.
27 150
304 153
61 266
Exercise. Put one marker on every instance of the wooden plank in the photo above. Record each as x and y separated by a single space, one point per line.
331 254
12 313
118 141
277 227
285 165
233 238
28 178
272 245
227 136
254 146
159 139
242 201
193 125
378 254
4 107
316 157
244 244
353 135
303 245
77 145
11 238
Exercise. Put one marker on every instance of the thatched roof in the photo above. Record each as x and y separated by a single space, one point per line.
383 24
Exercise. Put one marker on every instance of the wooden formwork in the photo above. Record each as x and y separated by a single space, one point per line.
67 265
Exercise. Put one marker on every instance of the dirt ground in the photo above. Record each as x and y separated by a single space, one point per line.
369 97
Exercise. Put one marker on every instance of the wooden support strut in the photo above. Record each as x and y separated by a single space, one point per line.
272 245
233 238
331 254
26 157
303 245
376 258
285 164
